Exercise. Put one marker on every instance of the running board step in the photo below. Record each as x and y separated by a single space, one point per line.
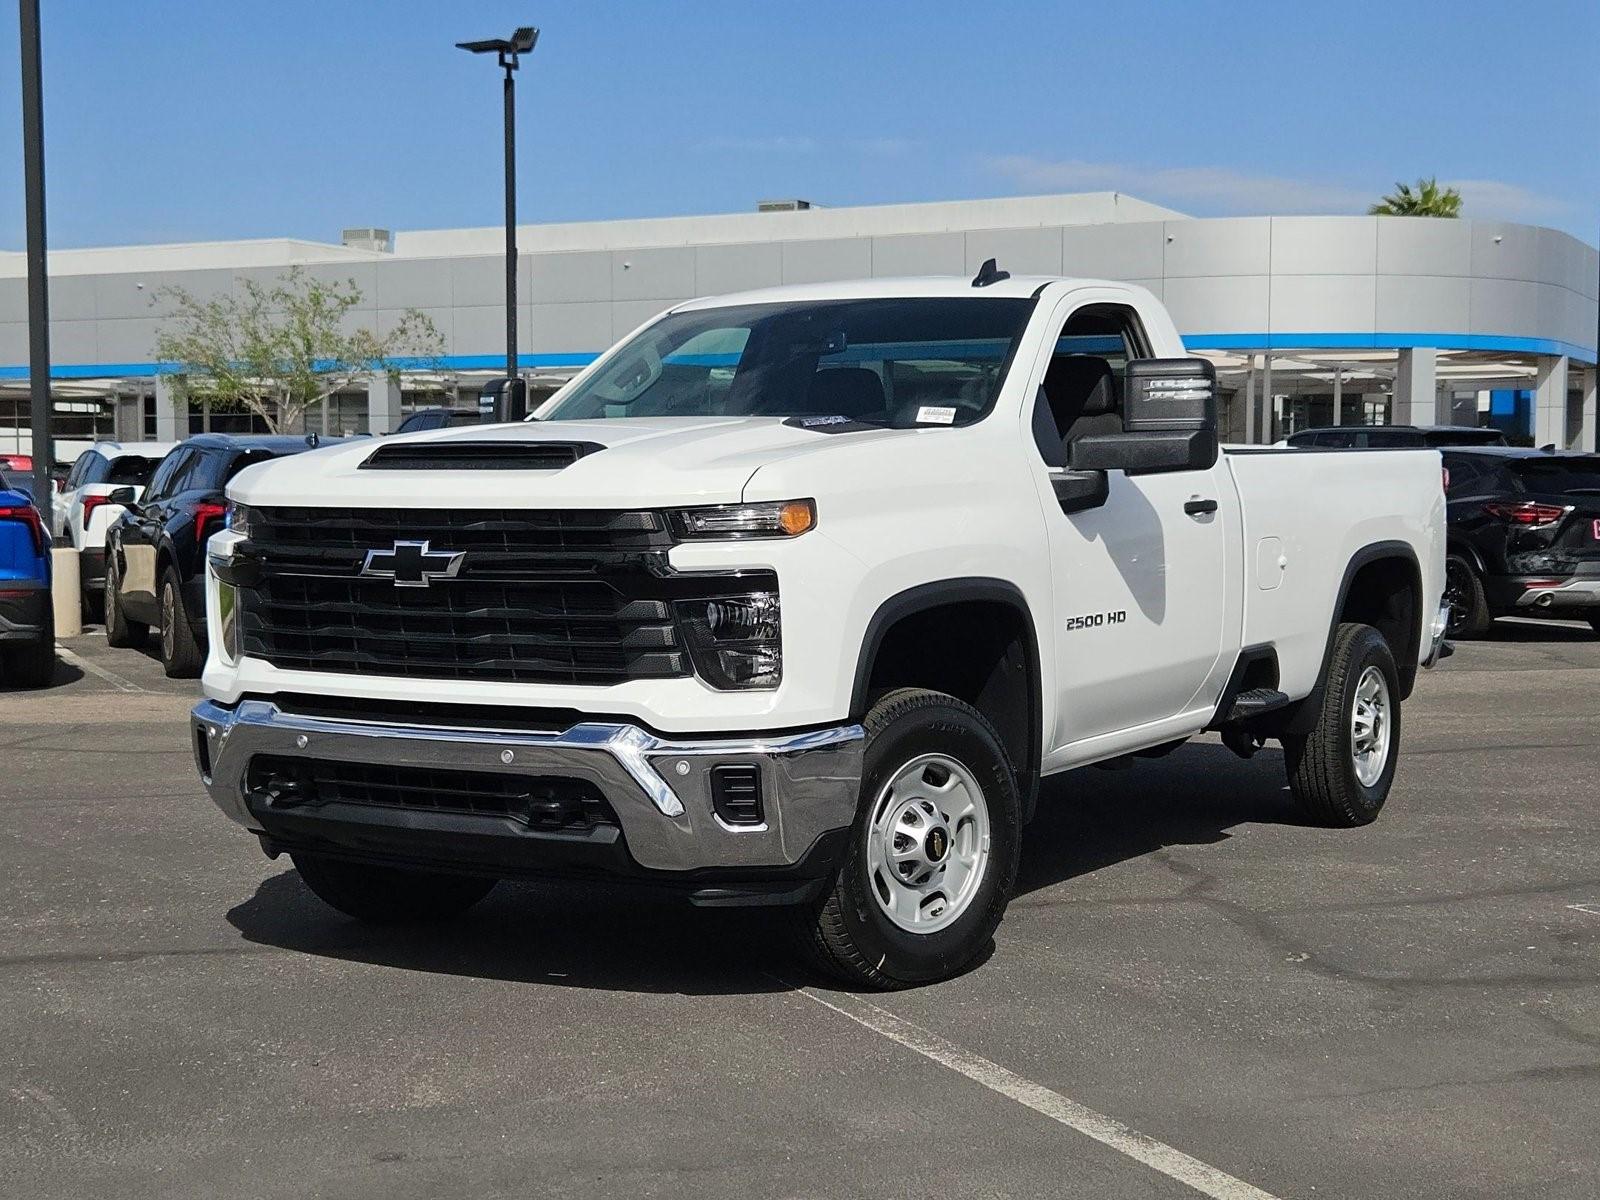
1255 702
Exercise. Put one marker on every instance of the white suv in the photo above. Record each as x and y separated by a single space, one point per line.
83 511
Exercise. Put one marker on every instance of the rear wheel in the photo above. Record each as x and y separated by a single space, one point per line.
1463 592
389 895
933 853
181 657
1340 773
120 632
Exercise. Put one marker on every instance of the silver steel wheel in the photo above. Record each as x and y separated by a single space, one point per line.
928 843
1369 726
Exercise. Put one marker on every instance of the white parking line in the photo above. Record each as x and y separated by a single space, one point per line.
83 664
1108 1131
1592 910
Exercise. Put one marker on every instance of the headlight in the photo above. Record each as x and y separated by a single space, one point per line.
767 519
239 518
735 641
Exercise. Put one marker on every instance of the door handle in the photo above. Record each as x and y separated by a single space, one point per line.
1195 507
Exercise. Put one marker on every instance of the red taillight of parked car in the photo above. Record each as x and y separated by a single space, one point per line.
29 516
205 513
90 503
1529 513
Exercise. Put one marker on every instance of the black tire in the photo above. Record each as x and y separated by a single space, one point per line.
847 934
389 895
1322 768
32 664
181 656
120 632
1469 607
1594 621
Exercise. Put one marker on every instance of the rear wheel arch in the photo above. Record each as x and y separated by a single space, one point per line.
993 664
1363 597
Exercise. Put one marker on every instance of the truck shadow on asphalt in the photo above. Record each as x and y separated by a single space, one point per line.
641 940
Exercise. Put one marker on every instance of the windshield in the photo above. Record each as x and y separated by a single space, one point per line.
899 362
1560 476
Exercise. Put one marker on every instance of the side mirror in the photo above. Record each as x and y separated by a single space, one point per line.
1169 419
123 496
1077 491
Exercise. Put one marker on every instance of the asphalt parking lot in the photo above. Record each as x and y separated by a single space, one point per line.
1408 1010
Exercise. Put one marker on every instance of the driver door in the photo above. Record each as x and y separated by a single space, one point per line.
1139 580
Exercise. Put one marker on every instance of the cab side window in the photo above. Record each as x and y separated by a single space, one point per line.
1082 389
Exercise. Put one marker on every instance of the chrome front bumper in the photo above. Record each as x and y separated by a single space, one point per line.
659 788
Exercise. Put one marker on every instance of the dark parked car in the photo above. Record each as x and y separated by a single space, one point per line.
1377 437
155 553
439 418
1524 536
27 619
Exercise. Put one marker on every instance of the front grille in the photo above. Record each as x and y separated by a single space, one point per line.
540 597
548 804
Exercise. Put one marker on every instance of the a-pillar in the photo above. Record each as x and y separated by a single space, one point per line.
383 403
1550 402
1586 425
1416 388
172 416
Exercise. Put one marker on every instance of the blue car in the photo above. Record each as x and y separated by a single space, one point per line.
27 620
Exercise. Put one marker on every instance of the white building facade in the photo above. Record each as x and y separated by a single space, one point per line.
1311 320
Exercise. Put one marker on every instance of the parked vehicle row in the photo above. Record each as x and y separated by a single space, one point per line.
155 550
88 503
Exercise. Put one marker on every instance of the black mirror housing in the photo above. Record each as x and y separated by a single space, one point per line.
122 495
1146 453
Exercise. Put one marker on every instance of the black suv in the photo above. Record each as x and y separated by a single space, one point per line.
1374 437
1524 536
155 553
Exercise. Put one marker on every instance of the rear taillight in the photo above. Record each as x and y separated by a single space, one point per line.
1528 513
29 516
206 512
90 503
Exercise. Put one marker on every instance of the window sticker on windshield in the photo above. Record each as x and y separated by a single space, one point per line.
936 414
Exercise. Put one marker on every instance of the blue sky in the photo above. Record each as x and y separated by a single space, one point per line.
171 121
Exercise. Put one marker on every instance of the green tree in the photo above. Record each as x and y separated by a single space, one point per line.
1427 199
278 350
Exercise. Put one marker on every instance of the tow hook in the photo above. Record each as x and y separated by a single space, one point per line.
1242 742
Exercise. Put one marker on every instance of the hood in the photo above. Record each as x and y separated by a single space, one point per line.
644 461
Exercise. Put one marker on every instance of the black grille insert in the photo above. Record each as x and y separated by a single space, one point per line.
736 793
547 804
549 597
478 456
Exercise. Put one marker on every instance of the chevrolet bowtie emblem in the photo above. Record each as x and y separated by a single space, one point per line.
412 564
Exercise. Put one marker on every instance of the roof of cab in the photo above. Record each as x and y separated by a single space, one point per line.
914 287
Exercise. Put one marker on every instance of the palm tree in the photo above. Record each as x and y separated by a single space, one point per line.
1427 199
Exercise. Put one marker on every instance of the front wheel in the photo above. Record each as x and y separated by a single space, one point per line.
932 855
389 895
1340 773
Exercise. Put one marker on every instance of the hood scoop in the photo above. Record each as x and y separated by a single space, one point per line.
478 456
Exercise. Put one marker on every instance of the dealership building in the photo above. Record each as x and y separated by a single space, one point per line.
1310 320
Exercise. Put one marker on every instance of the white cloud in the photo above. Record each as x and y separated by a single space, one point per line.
1215 189
1491 199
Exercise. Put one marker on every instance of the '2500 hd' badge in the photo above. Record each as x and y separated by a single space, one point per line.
1095 620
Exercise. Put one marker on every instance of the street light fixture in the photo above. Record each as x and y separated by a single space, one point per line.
508 50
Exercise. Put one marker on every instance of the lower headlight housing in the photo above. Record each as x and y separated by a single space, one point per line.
735 642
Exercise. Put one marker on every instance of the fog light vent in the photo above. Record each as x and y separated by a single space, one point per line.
736 793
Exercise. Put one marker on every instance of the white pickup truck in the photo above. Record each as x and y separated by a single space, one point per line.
794 597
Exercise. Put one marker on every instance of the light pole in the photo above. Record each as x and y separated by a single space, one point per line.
509 49
38 280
